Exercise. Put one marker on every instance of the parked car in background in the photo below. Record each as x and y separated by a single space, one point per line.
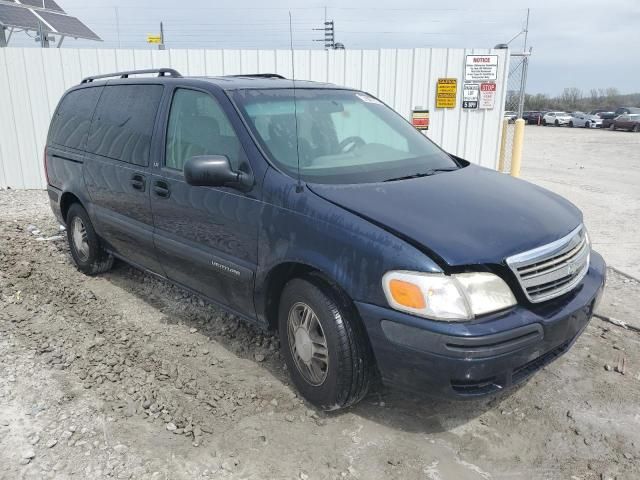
609 117
627 121
533 117
602 112
587 120
510 115
623 110
556 118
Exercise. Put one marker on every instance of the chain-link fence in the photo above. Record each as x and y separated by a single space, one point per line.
513 106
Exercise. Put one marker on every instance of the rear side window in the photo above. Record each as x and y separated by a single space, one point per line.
70 124
123 123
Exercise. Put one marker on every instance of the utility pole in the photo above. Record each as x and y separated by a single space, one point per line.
329 35
161 45
526 32
525 68
3 37
42 36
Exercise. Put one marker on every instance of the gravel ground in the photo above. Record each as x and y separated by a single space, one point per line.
125 376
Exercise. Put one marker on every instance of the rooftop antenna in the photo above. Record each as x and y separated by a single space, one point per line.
295 106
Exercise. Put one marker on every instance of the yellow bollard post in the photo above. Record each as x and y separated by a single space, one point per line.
503 145
516 155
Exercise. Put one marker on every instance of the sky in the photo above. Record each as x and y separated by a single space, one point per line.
576 43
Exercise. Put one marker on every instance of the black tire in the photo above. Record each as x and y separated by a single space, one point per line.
612 126
350 368
557 123
587 124
95 259
636 128
571 123
544 122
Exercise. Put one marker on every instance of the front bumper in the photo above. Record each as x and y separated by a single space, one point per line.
484 356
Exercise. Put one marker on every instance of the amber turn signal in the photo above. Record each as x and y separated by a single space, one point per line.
406 294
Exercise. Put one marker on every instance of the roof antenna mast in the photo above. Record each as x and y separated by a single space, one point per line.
295 105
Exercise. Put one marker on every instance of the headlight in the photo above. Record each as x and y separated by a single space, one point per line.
446 297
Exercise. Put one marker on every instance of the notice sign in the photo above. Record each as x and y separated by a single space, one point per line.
481 68
487 95
470 95
446 92
152 38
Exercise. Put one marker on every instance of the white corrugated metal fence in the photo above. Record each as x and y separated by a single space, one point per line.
32 81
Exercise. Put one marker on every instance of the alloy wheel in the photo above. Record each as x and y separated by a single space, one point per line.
308 344
80 241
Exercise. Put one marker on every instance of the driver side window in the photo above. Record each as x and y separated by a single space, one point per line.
199 126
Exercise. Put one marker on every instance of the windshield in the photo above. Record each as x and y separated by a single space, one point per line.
343 136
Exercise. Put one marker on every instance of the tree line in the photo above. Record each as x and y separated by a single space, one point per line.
574 99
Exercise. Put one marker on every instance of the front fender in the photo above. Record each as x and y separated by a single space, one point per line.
299 227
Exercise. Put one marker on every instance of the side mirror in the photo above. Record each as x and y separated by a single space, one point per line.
214 171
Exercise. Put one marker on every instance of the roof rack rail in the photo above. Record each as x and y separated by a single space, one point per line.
162 72
259 75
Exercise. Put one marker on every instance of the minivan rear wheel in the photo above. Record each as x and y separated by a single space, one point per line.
324 345
87 252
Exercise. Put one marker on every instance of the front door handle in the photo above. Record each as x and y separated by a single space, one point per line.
161 189
138 182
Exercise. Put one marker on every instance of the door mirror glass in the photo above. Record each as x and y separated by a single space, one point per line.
210 171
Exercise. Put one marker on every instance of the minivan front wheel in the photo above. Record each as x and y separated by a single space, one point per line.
86 250
324 345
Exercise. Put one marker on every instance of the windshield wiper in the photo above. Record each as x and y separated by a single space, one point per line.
428 173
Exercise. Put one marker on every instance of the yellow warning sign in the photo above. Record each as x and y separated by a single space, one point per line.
154 38
446 92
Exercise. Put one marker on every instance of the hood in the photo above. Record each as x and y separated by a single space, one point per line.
468 216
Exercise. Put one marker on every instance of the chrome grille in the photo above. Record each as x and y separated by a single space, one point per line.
554 269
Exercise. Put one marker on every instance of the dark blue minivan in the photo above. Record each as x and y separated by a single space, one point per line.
319 212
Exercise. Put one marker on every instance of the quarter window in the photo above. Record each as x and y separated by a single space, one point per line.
71 122
199 126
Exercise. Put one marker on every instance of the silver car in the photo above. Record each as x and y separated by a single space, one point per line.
586 120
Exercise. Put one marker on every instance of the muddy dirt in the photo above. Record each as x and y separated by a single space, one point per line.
125 376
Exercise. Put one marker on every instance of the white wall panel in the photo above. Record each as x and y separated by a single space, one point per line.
33 80
353 69
124 60
232 64
248 61
10 159
267 61
197 63
319 71
370 67
213 62
402 101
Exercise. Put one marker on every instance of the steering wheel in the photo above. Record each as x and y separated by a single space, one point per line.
351 142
